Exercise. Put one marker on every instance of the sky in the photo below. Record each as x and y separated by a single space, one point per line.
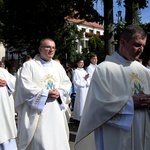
145 13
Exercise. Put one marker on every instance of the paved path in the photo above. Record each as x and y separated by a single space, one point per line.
73 131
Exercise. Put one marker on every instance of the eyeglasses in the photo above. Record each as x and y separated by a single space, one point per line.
49 47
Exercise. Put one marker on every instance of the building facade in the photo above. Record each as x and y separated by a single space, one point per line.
87 30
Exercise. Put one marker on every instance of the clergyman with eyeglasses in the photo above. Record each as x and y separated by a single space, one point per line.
41 91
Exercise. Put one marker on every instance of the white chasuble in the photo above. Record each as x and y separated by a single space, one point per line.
7 112
113 83
46 129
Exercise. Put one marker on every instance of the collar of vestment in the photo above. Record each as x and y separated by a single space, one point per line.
45 63
80 68
120 58
93 65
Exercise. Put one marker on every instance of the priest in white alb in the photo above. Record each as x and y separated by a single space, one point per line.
8 131
116 115
41 100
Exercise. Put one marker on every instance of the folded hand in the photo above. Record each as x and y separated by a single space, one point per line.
2 83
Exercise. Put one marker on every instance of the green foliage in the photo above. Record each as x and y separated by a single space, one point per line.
23 23
66 43
118 27
95 44
132 8
28 22
142 3
86 7
92 44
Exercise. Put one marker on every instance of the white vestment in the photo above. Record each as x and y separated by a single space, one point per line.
46 129
8 129
113 83
90 69
82 89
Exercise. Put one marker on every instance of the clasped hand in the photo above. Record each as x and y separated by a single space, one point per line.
86 76
141 100
2 83
53 94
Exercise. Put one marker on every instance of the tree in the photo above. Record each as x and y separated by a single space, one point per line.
85 10
131 16
66 43
108 26
96 46
24 24
132 8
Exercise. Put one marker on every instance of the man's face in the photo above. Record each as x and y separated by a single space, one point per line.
94 60
132 49
47 50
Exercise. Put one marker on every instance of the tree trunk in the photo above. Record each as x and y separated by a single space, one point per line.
108 26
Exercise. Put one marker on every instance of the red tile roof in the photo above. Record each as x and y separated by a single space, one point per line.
90 24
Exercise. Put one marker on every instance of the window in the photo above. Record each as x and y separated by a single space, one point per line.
97 32
83 29
91 31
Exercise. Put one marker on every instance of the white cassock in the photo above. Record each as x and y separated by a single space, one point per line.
90 69
8 129
82 89
109 109
42 124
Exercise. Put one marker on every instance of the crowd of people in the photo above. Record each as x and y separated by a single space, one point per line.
110 101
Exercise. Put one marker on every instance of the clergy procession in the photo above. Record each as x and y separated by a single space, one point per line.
109 102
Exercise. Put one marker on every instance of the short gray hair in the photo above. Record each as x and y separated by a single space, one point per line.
130 30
